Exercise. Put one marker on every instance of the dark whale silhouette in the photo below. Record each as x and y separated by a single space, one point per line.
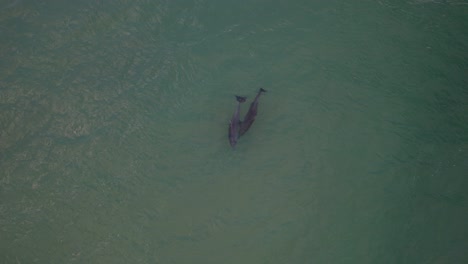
251 114
235 122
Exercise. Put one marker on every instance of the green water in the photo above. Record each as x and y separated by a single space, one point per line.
114 120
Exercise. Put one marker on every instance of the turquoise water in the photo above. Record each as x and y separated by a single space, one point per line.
114 120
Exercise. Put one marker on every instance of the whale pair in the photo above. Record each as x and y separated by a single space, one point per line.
236 127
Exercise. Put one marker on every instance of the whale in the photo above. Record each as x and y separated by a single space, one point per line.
234 124
251 114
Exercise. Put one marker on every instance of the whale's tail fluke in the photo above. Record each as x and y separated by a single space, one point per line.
241 99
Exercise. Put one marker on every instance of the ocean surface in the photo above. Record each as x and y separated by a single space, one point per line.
114 120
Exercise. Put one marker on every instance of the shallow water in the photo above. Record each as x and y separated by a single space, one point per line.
114 120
